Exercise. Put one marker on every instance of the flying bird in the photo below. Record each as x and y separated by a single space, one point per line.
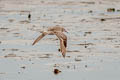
58 31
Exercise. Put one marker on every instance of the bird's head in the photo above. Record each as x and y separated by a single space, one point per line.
64 30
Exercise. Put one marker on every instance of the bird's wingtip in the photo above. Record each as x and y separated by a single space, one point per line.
33 44
63 56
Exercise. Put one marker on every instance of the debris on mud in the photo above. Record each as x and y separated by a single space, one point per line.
3 28
2 73
86 66
29 16
24 22
102 19
73 51
111 10
45 56
56 71
78 59
23 67
86 33
10 20
90 11
10 55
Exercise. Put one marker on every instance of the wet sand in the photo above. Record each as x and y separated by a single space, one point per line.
93 51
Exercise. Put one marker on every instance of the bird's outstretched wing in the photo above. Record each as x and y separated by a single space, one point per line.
62 47
63 42
40 37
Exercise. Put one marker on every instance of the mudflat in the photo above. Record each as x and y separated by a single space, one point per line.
93 51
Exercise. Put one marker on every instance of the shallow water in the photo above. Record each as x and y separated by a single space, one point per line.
93 45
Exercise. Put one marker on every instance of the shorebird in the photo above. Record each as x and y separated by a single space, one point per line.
58 31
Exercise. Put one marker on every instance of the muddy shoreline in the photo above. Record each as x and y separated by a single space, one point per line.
93 50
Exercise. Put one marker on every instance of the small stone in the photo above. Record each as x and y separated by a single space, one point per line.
86 66
90 11
68 67
18 72
56 71
29 16
118 10
23 67
111 10
102 19
86 46
11 20
86 33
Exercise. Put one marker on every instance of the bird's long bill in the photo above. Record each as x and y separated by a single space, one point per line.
39 38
